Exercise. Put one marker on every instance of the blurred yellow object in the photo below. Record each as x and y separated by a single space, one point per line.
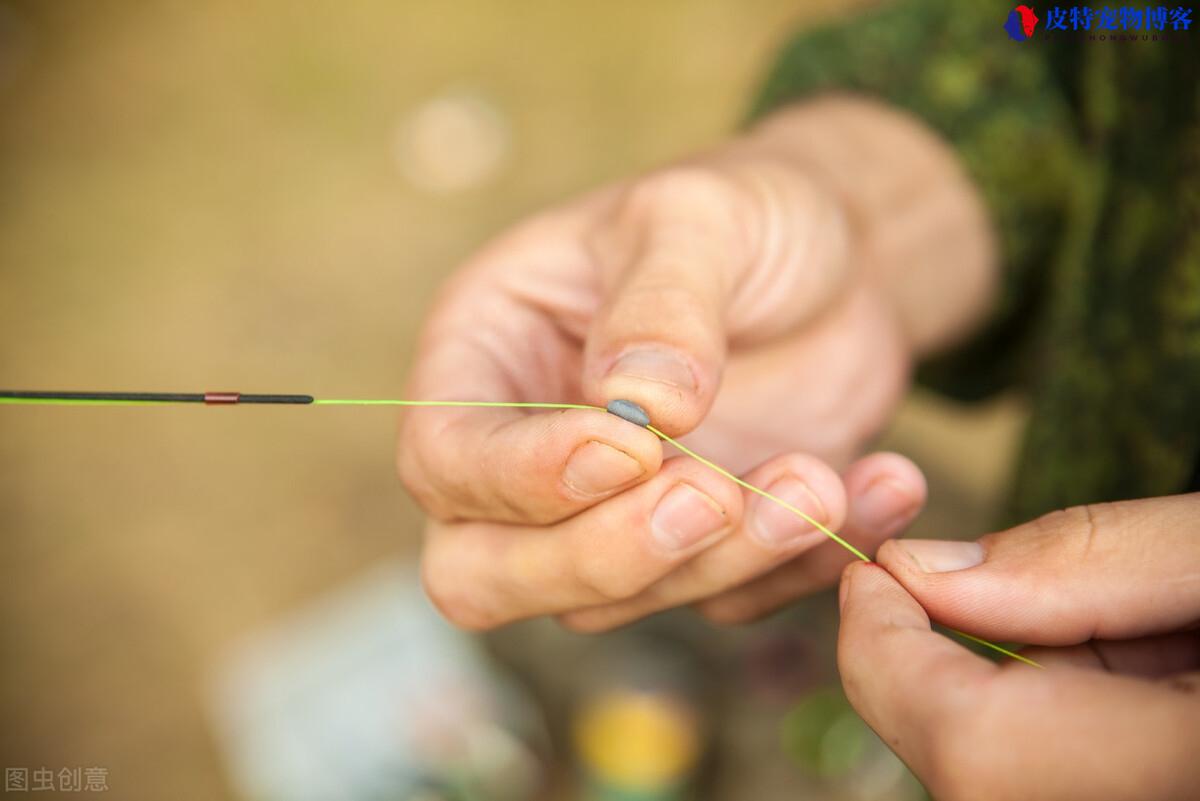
637 740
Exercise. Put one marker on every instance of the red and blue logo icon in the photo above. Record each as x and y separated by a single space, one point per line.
1021 23
1118 24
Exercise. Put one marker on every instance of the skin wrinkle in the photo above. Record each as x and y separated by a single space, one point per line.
567 311
434 481
1187 684
766 238
662 294
556 292
501 358
775 275
755 293
1090 533
506 358
819 250
651 207
510 310
497 493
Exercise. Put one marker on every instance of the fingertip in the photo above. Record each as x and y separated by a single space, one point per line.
871 589
920 559
573 428
825 484
859 573
553 465
719 490
896 468
523 467
893 558
848 573
855 582
804 483
887 491
588 455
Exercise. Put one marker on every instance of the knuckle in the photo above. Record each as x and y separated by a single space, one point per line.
655 296
1090 525
1065 521
608 581
417 480
950 763
450 595
730 611
507 497
706 576
1083 532
958 761
412 477
671 187
585 623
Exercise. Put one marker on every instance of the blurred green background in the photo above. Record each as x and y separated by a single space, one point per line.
263 196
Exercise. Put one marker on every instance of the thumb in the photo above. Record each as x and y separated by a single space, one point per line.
1106 571
670 256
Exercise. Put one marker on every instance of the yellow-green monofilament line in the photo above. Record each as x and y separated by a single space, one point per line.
997 648
493 404
776 499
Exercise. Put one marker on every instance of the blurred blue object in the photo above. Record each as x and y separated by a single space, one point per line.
368 695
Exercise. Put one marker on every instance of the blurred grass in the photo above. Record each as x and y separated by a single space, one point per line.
205 196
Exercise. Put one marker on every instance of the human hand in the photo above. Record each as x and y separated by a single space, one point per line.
1110 592
753 290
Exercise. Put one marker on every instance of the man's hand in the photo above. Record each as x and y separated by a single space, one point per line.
1110 593
762 296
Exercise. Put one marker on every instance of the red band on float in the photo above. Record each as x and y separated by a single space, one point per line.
221 398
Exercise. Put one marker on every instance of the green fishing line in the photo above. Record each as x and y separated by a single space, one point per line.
742 483
493 404
997 648
159 399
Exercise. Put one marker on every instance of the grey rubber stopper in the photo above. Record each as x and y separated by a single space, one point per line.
628 410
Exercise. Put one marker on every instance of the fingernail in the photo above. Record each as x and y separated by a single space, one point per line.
885 506
942 556
596 468
776 526
653 364
684 517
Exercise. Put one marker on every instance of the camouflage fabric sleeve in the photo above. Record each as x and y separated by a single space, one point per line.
1001 104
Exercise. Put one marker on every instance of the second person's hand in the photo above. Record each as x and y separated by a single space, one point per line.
1110 592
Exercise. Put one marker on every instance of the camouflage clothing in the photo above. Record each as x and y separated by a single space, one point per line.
1088 154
